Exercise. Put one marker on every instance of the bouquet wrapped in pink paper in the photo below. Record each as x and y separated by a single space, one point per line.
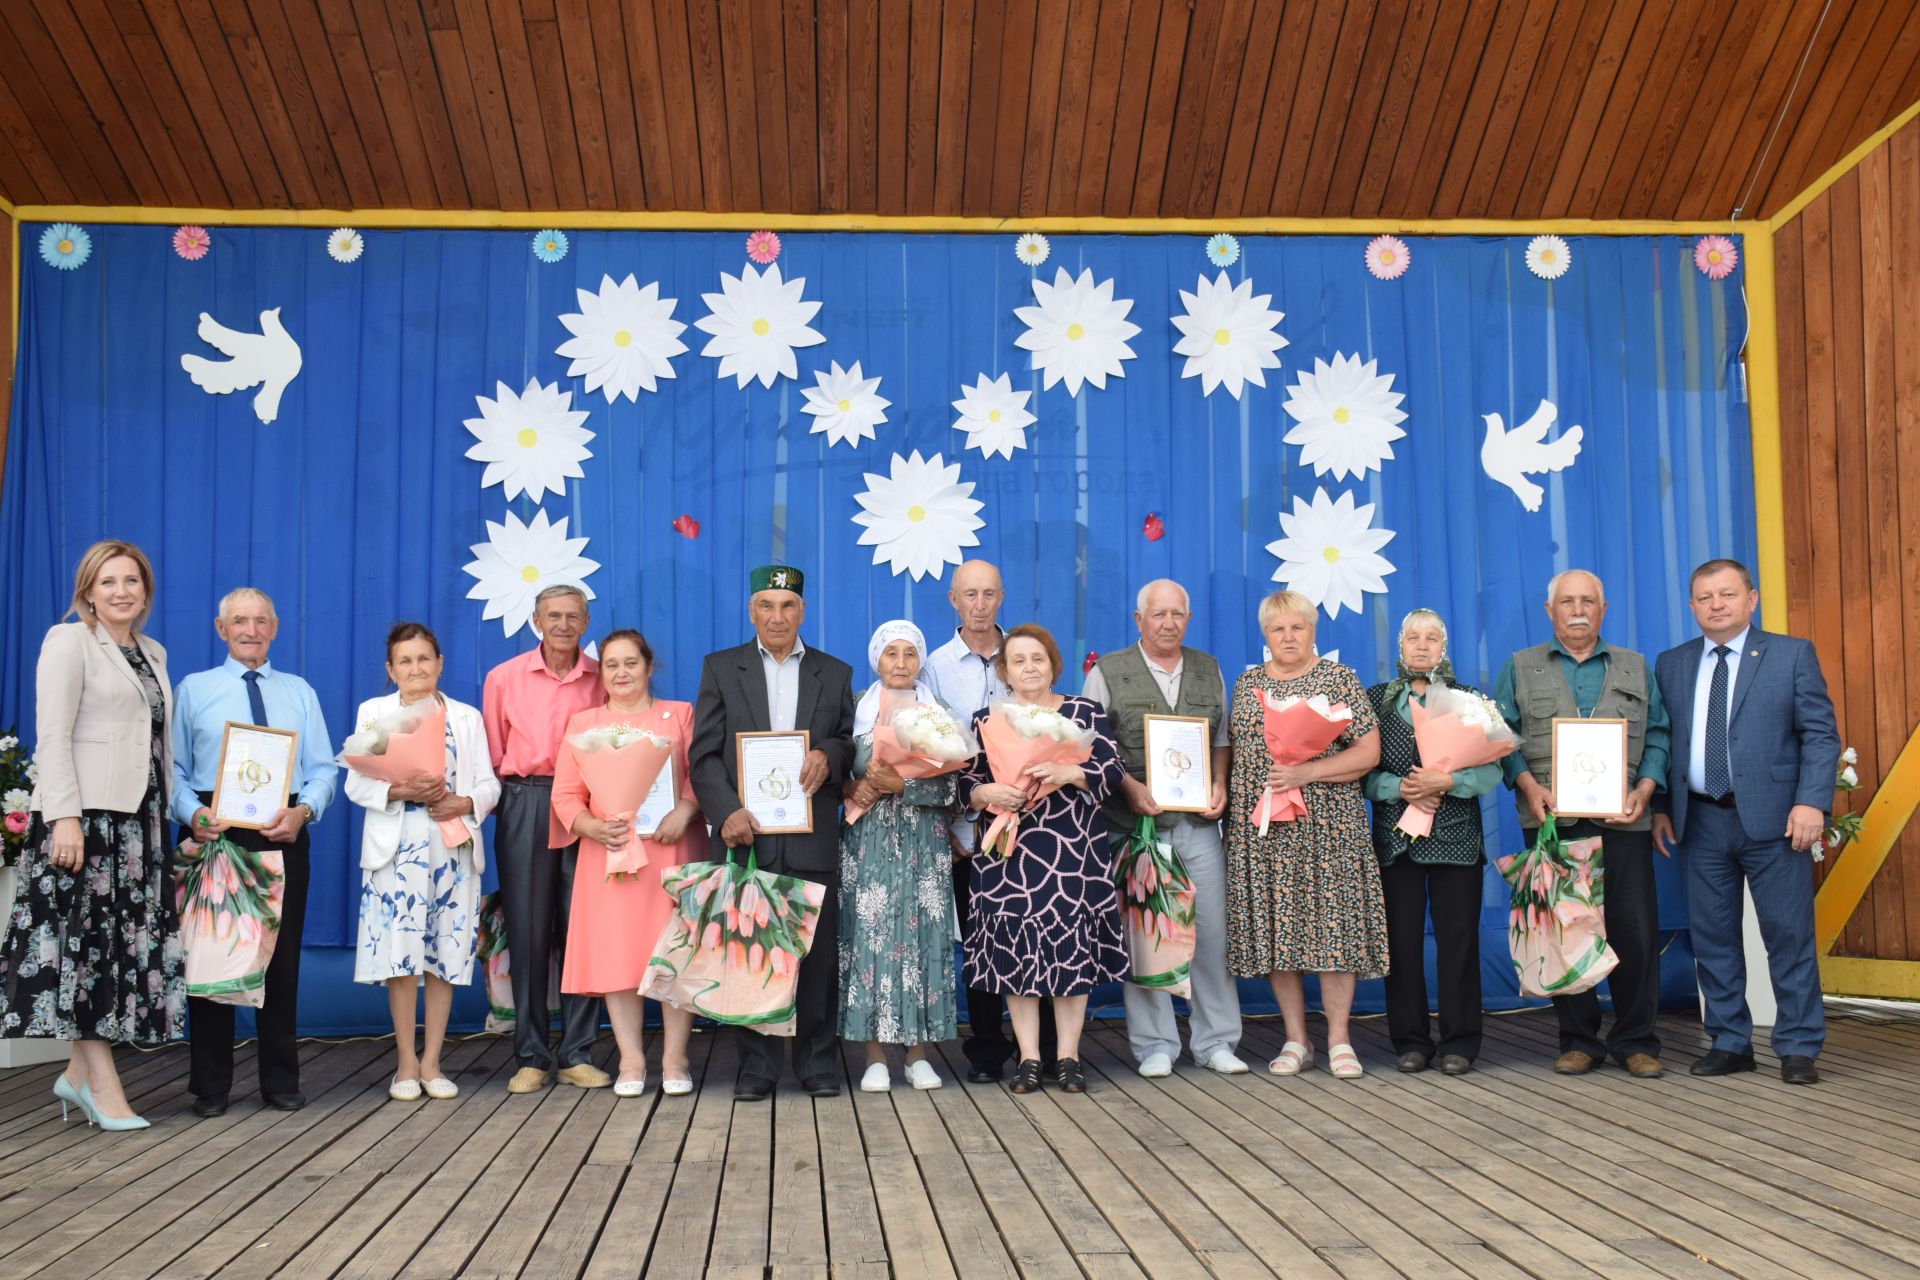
619 765
1455 730
1156 897
490 949
917 739
406 743
229 901
1016 738
1557 927
1297 730
732 948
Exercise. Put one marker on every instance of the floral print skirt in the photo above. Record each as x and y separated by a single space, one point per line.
419 913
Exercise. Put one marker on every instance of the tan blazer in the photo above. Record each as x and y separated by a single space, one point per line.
95 728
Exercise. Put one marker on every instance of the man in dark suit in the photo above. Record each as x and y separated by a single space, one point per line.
1750 784
775 683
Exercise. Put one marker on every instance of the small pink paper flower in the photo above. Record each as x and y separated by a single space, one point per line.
192 243
17 822
1387 257
763 247
1715 256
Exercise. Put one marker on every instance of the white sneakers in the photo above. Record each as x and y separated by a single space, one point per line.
921 1075
1155 1065
877 1079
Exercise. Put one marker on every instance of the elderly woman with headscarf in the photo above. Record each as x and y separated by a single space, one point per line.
1441 870
896 871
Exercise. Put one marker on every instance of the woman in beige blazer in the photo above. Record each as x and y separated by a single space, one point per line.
92 954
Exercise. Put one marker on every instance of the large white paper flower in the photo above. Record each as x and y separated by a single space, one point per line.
845 405
1347 416
918 517
624 338
1228 335
1078 332
1548 257
518 561
531 442
756 321
993 415
1329 553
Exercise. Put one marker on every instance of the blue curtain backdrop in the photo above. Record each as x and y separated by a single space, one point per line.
357 506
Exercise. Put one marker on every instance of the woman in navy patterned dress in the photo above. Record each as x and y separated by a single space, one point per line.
1045 920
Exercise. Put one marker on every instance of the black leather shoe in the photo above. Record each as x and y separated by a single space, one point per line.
752 1089
1797 1068
983 1075
285 1101
821 1087
1026 1077
1720 1062
1073 1077
1455 1064
1411 1061
208 1108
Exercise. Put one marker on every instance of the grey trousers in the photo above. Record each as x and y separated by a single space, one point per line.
536 895
1215 1003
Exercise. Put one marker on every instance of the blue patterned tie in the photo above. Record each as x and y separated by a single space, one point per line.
1719 778
258 705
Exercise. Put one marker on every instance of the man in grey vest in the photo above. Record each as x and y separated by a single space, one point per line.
1577 674
1161 676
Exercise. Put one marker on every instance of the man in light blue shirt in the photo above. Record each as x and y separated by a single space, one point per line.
245 689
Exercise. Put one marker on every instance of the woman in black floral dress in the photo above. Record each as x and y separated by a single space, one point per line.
93 951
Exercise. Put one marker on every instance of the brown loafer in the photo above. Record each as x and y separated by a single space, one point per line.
1644 1066
1574 1062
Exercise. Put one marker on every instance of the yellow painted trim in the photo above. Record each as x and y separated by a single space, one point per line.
1856 866
1791 209
6 207
1860 976
1763 413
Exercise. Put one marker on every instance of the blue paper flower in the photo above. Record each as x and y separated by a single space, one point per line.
550 246
1223 250
65 246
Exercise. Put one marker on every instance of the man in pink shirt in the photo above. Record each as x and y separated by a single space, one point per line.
527 702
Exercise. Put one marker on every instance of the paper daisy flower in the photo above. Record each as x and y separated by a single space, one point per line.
1330 553
532 443
1387 257
1032 248
756 321
1227 335
993 415
919 517
1346 416
192 243
624 338
344 244
1548 257
65 246
763 247
550 245
1223 250
518 561
1715 256
845 405
1078 333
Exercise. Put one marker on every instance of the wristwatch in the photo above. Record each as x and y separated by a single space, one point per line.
309 808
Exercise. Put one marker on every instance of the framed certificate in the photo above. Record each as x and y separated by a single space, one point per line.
768 767
256 774
1179 763
661 797
1589 768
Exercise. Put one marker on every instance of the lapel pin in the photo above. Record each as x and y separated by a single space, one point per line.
1753 653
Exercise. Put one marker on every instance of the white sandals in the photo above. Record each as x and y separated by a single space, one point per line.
1343 1062
1294 1058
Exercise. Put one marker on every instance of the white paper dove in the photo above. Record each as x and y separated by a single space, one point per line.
1510 456
269 360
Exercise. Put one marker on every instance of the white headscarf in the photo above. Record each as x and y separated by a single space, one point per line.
867 710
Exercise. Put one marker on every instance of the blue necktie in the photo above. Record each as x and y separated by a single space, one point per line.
1719 777
258 705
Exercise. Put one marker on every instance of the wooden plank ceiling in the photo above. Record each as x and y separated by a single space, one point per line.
1380 109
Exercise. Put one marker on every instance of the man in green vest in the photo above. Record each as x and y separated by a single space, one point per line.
1161 676
1577 674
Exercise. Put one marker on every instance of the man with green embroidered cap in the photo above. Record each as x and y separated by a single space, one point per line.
1579 674
775 683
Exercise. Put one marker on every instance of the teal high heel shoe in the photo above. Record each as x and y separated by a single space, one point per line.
112 1124
63 1090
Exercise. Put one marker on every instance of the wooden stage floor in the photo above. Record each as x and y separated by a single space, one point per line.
1504 1172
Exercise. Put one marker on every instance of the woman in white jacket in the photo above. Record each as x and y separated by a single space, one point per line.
419 899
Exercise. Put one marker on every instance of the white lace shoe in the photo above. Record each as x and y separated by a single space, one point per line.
1155 1065
1224 1061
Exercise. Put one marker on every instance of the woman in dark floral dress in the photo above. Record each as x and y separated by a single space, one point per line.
1305 897
93 951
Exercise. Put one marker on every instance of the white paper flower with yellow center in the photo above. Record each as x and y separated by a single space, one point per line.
1548 257
918 517
1346 416
993 415
518 561
624 338
756 321
1228 335
1330 551
532 443
1078 333
845 405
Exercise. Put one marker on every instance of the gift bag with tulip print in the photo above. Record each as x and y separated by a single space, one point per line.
496 961
1156 901
1557 927
731 950
229 900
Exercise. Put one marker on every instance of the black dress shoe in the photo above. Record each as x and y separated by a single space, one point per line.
821 1087
983 1075
752 1089
1455 1064
1798 1068
285 1101
1720 1062
208 1108
1411 1061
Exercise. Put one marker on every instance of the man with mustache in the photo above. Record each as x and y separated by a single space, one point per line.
1579 674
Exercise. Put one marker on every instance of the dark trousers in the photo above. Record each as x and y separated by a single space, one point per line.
816 998
1719 856
990 1043
536 896
210 1025
1453 893
1633 931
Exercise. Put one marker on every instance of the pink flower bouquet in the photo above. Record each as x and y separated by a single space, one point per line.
1018 737
407 744
1556 929
1454 730
229 901
1156 900
1297 730
917 739
619 764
